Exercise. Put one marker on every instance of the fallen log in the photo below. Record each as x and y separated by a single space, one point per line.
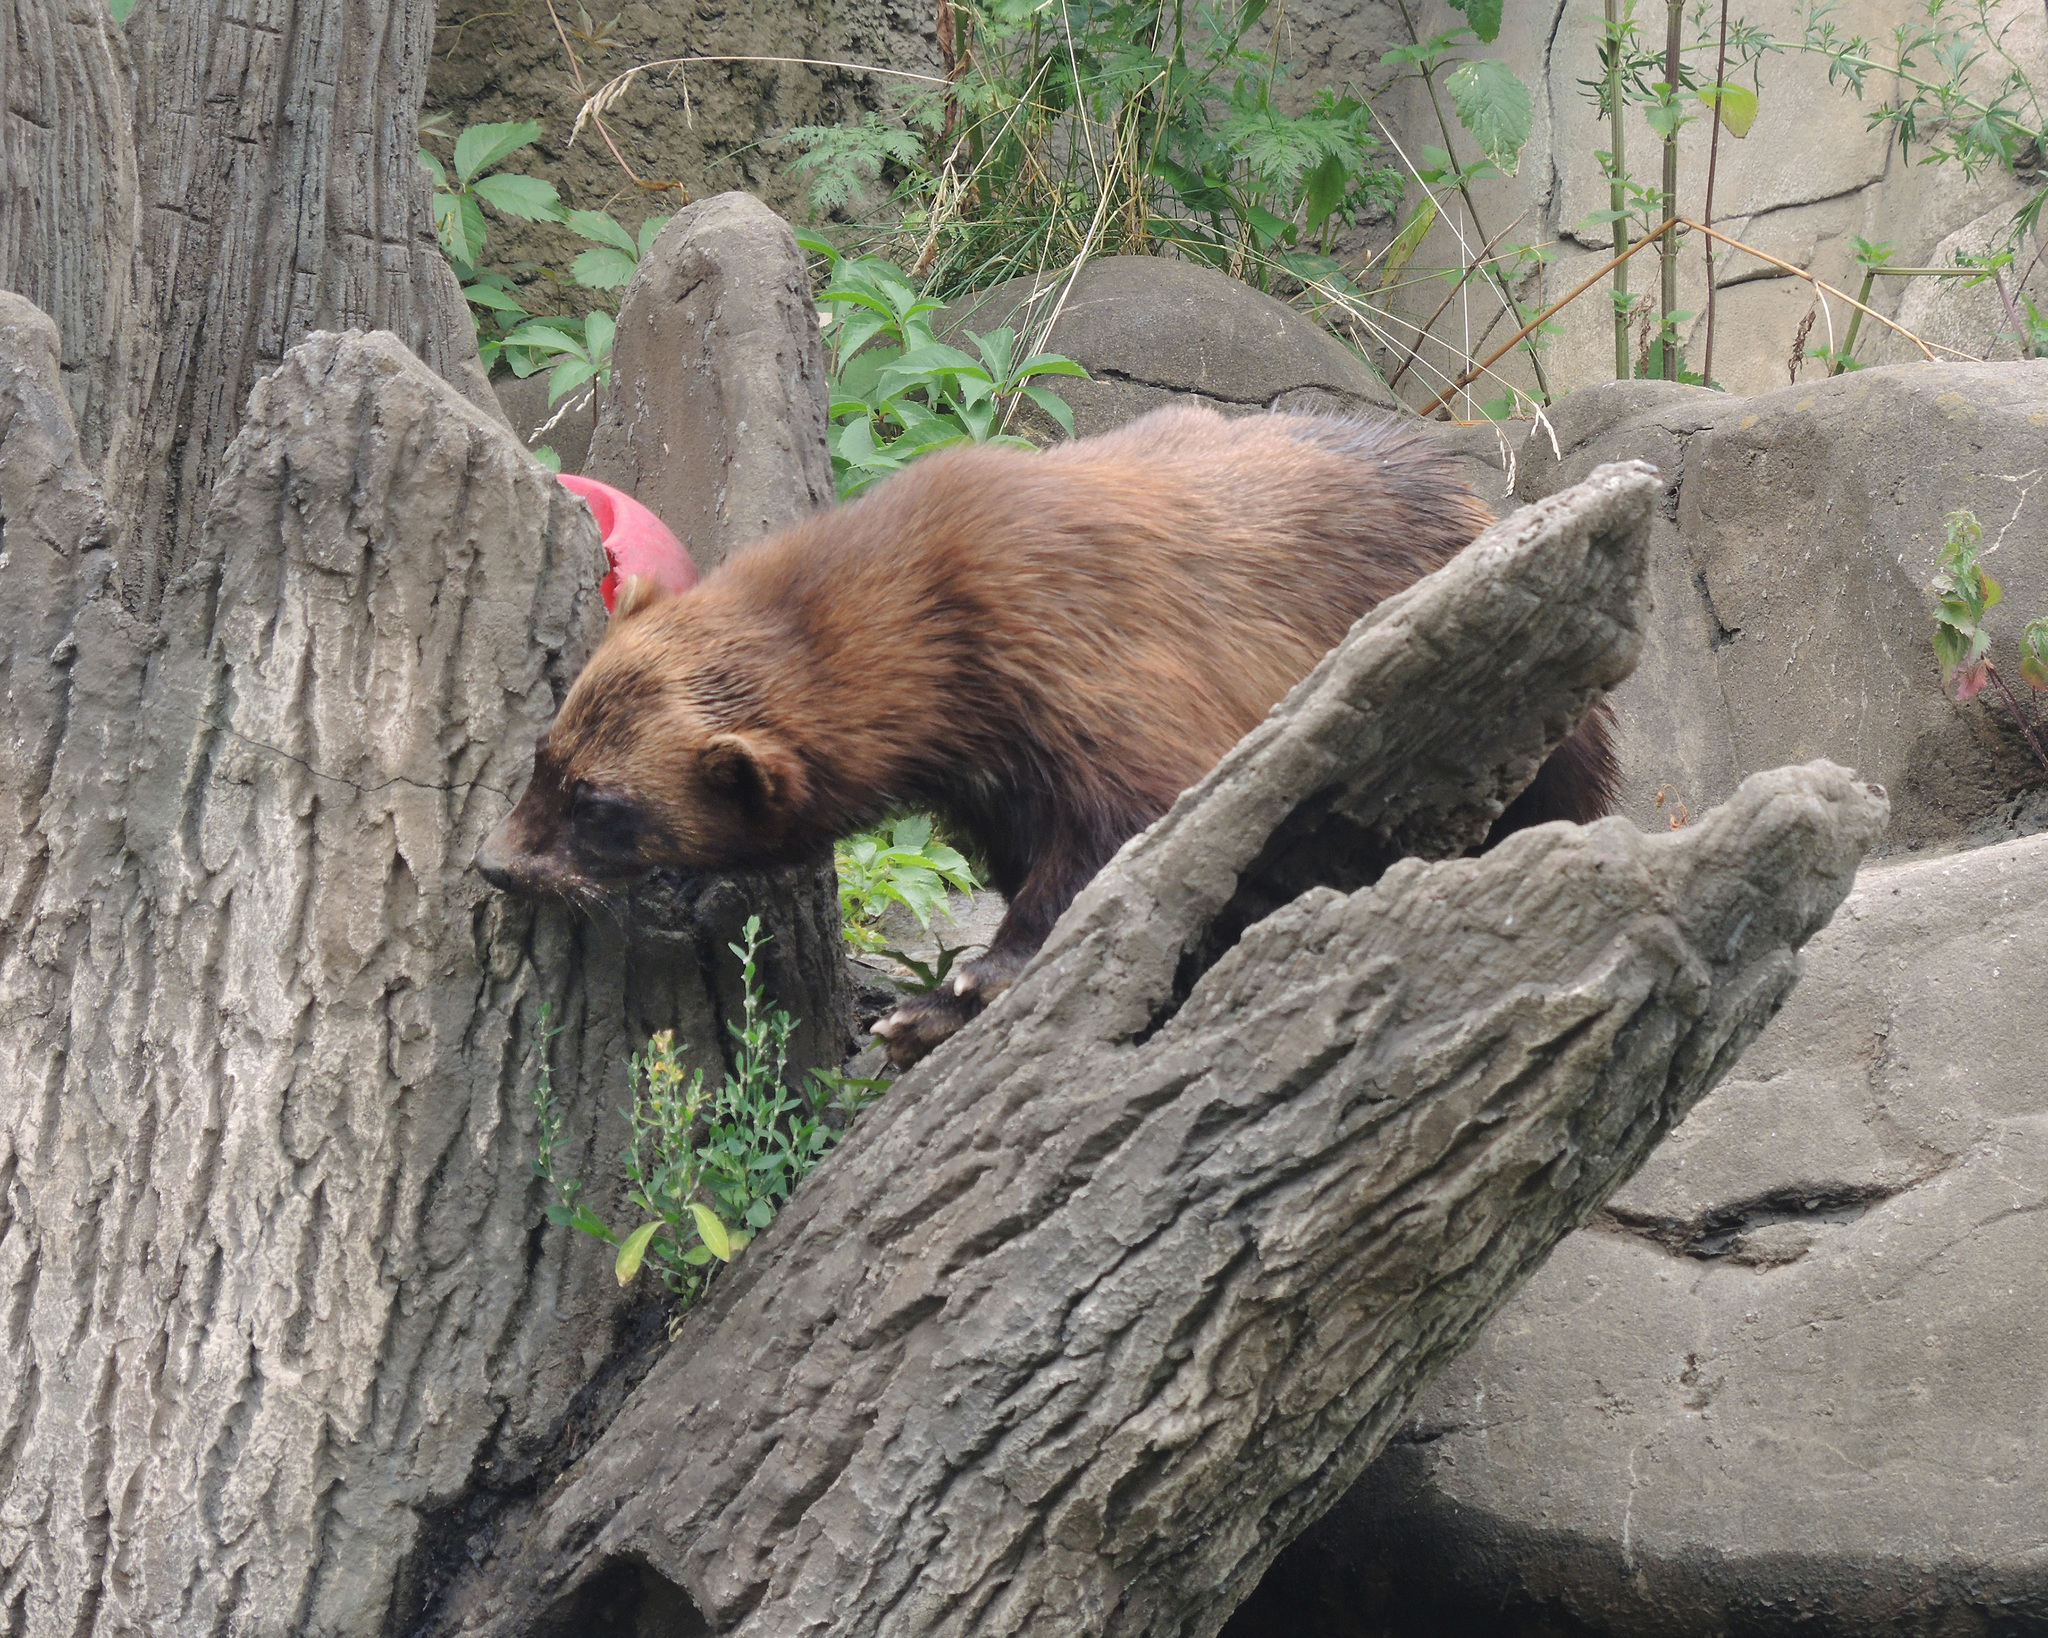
1127 1283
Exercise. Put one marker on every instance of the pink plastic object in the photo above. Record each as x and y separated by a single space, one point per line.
635 540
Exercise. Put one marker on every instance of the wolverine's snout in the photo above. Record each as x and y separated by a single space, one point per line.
494 860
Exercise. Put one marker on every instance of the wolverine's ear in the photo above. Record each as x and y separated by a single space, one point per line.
756 772
637 592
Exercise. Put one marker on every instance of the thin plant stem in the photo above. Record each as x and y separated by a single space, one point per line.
1848 347
1674 17
2018 715
1555 307
1928 348
1465 273
1617 185
1465 192
2012 312
1713 162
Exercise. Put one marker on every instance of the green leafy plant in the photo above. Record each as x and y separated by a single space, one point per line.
459 199
1671 83
902 863
1496 112
708 1165
897 391
574 348
1964 595
1958 90
1068 128
925 976
579 349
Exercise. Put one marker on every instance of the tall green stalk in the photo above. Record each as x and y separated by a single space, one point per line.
1507 294
1617 185
1667 252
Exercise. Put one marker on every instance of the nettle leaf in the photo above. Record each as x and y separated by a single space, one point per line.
539 333
1325 189
1494 106
717 1237
485 295
482 146
1054 405
1265 226
1733 105
1483 15
1664 118
527 197
911 833
602 268
599 228
650 230
465 241
568 376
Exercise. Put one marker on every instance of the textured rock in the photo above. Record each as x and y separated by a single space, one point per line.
565 426
1152 331
1792 1379
1117 1290
716 419
1790 566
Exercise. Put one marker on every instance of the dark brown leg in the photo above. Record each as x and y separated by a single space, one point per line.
1578 782
923 1021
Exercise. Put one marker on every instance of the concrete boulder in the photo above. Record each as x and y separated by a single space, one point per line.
1790 566
1154 331
1792 1378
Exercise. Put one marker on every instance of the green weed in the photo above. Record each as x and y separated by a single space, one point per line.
1964 595
901 863
708 1165
897 391
574 348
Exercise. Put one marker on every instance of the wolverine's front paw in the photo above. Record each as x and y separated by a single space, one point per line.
923 1021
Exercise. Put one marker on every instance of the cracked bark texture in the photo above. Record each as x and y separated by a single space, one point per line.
191 196
1124 1285
279 1306
271 1281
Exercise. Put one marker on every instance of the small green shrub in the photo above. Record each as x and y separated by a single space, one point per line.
898 864
574 348
897 391
1109 127
709 1165
1965 594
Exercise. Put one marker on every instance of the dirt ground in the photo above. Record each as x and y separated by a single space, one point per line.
504 60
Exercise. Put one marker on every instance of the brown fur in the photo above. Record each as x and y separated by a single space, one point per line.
1045 649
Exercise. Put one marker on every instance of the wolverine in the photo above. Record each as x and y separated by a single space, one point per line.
1044 649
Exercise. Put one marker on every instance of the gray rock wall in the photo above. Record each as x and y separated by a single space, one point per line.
1791 566
1808 179
1792 1380
268 1232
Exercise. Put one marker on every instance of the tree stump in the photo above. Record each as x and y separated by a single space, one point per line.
1122 1287
282 1319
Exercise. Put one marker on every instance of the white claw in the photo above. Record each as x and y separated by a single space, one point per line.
962 984
887 1027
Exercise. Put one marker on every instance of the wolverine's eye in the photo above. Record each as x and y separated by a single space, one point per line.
603 825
